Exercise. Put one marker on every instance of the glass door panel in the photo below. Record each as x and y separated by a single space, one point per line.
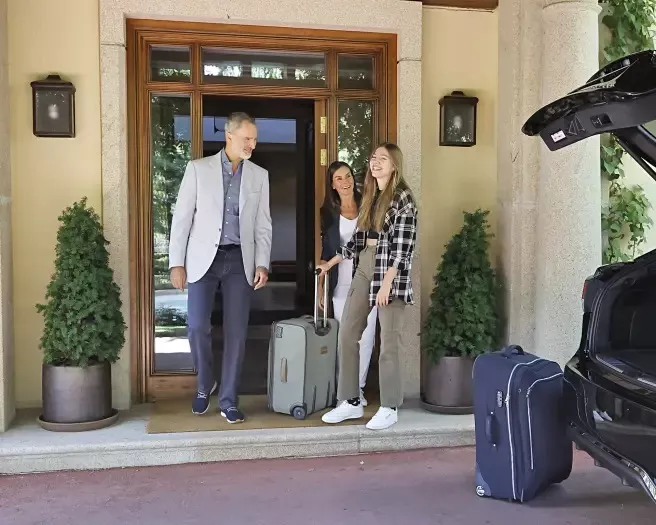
355 134
170 147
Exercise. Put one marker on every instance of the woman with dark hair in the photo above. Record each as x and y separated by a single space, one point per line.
339 215
382 247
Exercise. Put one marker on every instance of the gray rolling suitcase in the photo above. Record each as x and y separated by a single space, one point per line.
303 362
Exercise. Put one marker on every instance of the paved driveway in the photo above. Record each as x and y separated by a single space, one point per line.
432 487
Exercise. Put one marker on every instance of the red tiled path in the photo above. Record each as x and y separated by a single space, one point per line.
431 487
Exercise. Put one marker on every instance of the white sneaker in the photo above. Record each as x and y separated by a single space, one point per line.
342 412
384 418
363 400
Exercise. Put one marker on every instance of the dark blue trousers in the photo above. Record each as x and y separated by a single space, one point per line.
226 272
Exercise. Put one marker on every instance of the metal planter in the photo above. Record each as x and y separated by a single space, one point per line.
77 398
448 386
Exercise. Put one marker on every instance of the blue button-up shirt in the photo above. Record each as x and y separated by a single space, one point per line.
231 183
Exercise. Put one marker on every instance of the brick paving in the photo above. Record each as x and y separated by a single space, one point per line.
425 487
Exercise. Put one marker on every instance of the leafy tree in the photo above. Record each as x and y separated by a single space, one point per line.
463 318
83 322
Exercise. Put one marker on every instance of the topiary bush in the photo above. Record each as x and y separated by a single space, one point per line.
463 318
83 322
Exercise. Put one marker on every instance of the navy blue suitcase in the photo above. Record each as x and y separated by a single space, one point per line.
521 441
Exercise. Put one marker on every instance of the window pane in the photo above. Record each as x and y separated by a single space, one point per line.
248 66
355 134
355 72
171 150
170 64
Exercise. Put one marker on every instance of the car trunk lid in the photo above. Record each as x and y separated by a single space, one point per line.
619 99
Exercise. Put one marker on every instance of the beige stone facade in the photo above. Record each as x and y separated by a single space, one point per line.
545 206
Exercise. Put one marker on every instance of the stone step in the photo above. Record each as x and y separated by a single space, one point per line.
27 448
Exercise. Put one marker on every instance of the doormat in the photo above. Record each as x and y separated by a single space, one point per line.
176 416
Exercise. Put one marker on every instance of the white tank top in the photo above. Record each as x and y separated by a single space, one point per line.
345 268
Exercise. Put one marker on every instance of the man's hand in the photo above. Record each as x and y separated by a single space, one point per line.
178 277
261 277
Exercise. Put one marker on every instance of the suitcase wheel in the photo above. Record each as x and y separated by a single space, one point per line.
299 412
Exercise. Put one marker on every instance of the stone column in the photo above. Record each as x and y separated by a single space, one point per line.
7 405
569 187
520 55
549 202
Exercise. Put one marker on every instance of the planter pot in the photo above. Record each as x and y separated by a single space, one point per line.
76 398
448 386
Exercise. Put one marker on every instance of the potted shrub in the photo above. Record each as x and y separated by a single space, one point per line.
463 319
84 329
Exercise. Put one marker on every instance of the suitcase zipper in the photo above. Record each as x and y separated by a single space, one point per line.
530 429
528 405
508 417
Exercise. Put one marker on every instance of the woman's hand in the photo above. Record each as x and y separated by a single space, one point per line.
323 268
382 297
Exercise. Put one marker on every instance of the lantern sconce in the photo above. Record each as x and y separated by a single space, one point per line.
53 107
458 120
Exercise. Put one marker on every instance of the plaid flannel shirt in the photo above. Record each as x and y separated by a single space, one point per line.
395 247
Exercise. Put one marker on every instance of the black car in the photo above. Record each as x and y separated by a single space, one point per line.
610 384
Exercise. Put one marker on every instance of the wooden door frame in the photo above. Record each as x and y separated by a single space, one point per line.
147 386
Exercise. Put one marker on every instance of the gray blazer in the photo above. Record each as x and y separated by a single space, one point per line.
198 217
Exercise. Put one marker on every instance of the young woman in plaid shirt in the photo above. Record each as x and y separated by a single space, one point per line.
381 247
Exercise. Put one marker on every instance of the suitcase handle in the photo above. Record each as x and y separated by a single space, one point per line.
283 370
489 430
317 274
510 350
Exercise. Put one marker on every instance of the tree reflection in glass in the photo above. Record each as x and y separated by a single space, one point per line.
264 67
355 135
170 152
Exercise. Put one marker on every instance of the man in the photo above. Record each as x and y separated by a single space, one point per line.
221 236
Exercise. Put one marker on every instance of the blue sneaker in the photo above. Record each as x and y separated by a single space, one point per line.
233 415
201 402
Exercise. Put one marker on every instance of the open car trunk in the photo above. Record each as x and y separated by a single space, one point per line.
620 99
624 327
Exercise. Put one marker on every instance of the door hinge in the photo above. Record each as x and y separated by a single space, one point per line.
324 157
323 124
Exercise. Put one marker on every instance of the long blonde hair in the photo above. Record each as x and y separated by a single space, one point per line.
373 219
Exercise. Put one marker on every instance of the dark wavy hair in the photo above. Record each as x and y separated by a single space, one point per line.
332 202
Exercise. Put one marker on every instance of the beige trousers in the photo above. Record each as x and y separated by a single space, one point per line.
354 321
